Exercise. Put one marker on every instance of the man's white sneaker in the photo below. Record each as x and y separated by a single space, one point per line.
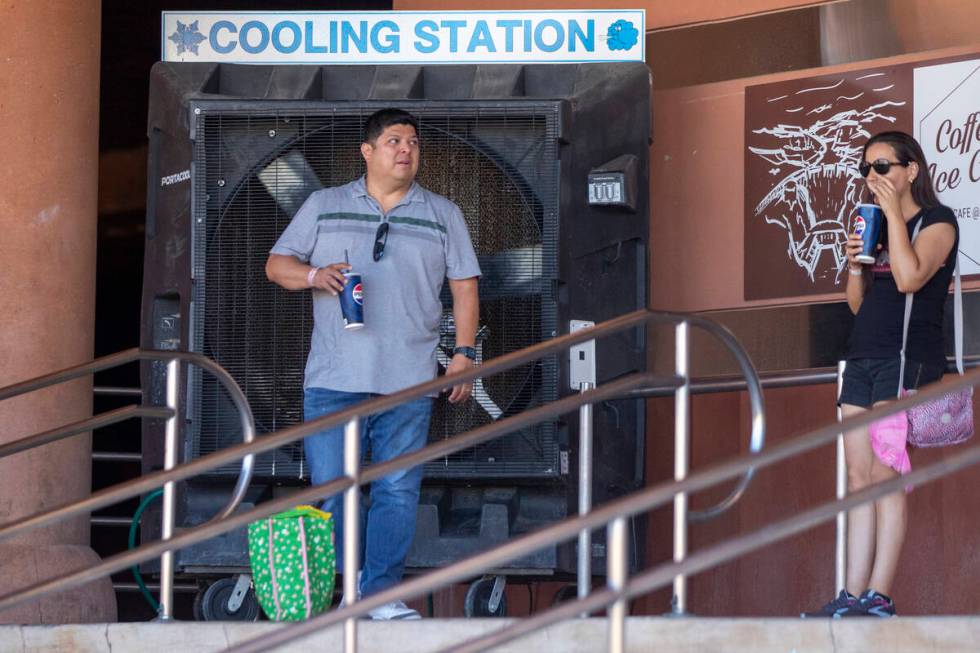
343 601
393 611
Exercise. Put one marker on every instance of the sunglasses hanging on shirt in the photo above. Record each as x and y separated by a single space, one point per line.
881 166
380 239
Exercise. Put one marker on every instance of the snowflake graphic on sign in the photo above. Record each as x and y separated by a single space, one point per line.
187 37
622 35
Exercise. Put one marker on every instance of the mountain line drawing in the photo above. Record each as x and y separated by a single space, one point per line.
818 182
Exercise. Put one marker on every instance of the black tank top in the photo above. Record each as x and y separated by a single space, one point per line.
877 331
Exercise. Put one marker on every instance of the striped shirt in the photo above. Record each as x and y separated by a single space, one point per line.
427 242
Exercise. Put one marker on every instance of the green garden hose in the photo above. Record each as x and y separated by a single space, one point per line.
133 525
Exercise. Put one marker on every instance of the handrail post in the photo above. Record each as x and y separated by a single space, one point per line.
352 526
170 448
681 443
616 580
584 580
840 554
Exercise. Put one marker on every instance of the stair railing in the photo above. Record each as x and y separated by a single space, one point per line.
613 515
350 484
171 413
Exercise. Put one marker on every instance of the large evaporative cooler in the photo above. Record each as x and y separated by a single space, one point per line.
234 152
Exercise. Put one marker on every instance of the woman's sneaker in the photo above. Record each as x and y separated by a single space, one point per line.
844 602
876 604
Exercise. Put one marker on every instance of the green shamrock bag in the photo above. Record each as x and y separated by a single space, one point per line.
293 563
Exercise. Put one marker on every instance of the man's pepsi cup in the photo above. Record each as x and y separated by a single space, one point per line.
867 225
352 301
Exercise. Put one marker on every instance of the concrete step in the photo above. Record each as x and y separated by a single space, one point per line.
643 634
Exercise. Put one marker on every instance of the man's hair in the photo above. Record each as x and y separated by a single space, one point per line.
381 120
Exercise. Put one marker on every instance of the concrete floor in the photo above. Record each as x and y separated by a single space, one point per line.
644 634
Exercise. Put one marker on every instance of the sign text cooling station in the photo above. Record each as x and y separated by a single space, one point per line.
404 37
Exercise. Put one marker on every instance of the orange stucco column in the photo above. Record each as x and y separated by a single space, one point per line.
49 109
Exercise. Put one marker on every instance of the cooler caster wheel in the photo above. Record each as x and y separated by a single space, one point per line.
227 599
564 594
486 598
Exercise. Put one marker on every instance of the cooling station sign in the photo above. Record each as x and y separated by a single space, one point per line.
404 37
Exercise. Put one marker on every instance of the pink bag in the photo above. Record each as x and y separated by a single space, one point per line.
941 422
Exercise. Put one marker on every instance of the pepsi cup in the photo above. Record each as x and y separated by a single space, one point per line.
352 301
867 225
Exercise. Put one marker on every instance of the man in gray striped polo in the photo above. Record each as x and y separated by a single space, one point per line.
404 241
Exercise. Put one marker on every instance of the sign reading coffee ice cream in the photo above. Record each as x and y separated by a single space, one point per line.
803 142
947 125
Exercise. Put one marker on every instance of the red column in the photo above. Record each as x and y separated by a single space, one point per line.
49 110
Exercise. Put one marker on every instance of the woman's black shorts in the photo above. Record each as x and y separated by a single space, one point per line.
870 380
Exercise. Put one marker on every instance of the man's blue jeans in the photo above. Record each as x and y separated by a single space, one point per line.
388 526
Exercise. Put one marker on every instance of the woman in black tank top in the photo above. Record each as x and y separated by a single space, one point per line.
897 174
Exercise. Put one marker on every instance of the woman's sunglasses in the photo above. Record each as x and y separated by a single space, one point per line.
881 166
380 239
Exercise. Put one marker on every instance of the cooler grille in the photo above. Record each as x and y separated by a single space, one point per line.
254 168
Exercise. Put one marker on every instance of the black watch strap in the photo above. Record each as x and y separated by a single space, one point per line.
469 352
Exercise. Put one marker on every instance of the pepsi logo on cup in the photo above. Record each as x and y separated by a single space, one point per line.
859 225
352 301
867 226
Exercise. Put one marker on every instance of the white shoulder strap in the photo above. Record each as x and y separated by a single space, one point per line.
957 318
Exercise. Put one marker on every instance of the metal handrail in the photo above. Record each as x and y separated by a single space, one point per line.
83 426
150 481
117 456
644 501
115 360
311 493
170 413
74 372
288 435
156 479
233 453
115 391
770 380
715 555
682 435
757 437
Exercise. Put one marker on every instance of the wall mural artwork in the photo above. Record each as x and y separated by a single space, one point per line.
803 143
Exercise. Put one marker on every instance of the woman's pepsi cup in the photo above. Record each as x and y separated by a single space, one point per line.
867 225
352 301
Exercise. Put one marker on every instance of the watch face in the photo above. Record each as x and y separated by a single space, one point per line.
469 352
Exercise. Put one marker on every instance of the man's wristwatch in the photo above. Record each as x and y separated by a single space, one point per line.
469 352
